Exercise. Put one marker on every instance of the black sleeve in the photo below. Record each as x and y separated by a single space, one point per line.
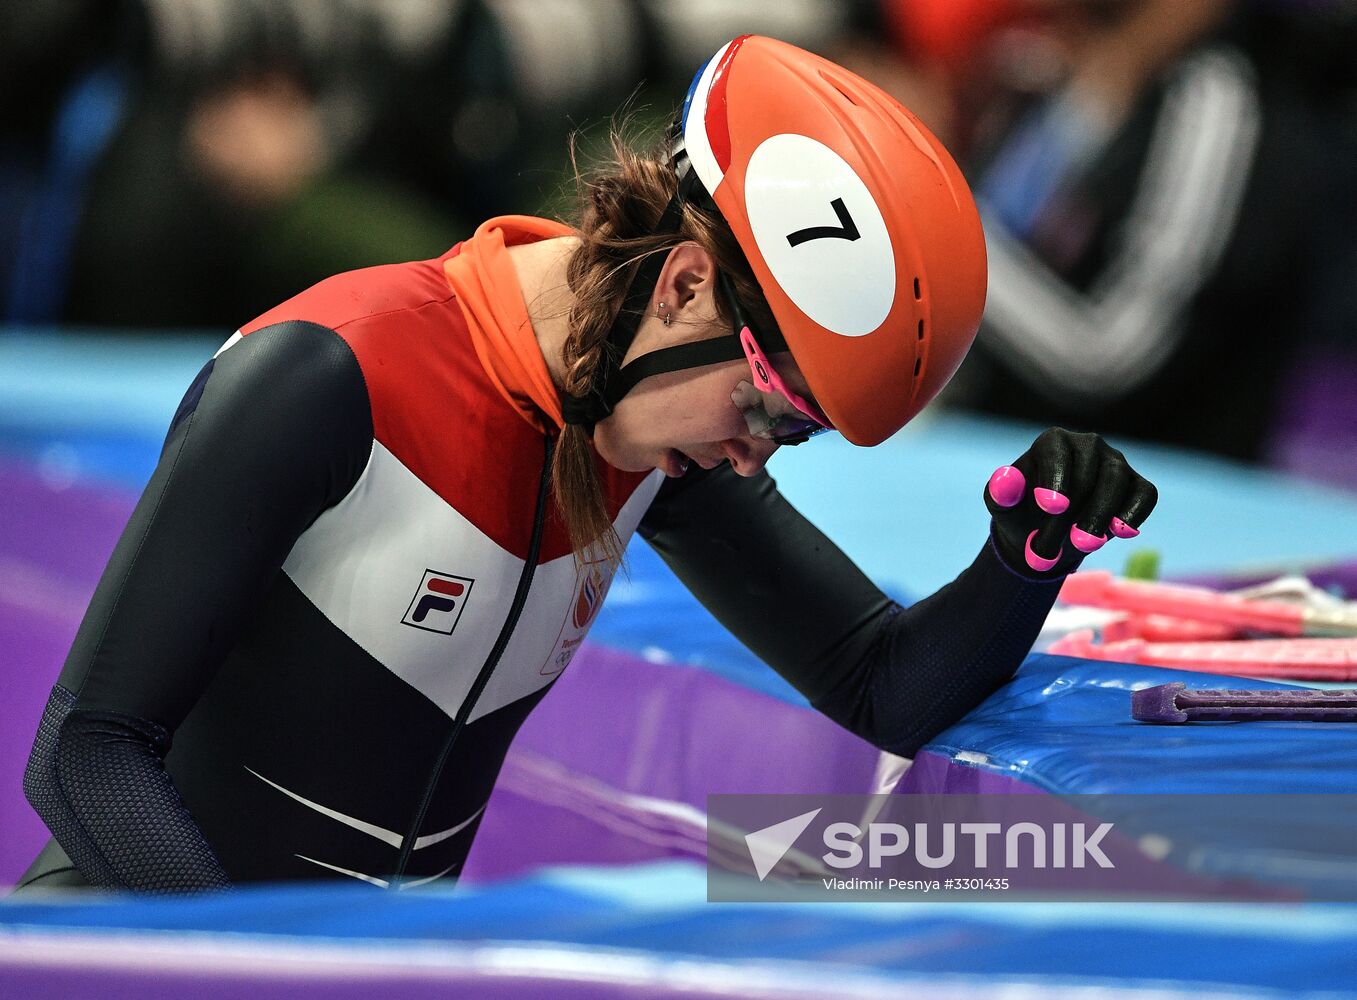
273 431
894 676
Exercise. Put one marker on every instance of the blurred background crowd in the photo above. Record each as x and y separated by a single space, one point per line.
1169 187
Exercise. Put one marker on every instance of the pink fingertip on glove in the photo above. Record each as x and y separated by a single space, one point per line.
1035 561
1123 530
1085 542
1050 501
1006 486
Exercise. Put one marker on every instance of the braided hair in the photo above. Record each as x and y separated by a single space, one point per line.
620 203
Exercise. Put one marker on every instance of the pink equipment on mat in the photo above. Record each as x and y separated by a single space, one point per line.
1297 659
1100 589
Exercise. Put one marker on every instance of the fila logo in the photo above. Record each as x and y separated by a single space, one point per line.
438 602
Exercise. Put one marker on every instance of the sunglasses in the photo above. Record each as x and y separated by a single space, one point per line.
771 409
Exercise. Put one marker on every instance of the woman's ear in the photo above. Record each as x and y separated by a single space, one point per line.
687 281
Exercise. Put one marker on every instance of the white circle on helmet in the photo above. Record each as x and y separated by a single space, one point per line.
821 234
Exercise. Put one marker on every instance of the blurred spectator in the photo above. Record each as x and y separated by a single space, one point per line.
239 176
193 162
1157 178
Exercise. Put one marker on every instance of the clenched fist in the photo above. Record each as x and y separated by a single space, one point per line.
1061 500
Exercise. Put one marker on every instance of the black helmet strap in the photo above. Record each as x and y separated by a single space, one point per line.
612 380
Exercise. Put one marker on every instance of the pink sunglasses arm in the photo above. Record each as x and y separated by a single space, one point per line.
766 379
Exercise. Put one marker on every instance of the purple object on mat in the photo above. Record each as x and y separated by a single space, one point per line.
1173 703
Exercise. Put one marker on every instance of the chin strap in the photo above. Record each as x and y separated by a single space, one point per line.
611 379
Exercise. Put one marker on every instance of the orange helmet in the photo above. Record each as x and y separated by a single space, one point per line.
856 222
859 227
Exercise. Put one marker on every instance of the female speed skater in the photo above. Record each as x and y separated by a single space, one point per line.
387 511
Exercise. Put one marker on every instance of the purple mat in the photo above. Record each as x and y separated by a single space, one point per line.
113 966
617 762
61 982
54 542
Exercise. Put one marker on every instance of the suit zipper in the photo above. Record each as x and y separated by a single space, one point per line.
487 668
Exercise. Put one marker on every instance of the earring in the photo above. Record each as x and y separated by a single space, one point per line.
667 317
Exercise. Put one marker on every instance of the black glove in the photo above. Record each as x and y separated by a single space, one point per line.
1060 500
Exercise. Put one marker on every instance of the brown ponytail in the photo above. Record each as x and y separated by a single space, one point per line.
619 205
